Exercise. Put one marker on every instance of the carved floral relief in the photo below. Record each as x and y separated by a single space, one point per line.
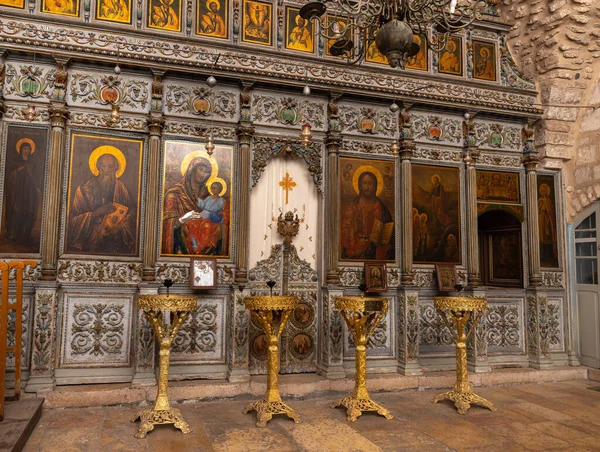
200 101
109 90
96 330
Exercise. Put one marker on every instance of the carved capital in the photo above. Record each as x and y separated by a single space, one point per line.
531 161
245 132
333 142
470 156
155 125
407 149
59 114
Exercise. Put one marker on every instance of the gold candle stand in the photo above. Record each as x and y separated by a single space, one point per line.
458 310
362 316
271 313
155 306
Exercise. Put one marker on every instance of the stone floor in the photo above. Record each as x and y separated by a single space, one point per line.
560 416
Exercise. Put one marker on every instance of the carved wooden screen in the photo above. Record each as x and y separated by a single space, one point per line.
299 340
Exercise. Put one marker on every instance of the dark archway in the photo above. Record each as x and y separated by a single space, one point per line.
500 249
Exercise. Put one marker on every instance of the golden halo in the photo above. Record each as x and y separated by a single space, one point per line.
23 141
116 153
208 2
298 17
370 169
210 181
192 155
544 187
484 50
438 176
453 47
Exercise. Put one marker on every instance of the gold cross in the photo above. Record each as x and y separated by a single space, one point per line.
287 184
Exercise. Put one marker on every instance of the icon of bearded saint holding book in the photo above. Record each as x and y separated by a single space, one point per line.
102 215
367 231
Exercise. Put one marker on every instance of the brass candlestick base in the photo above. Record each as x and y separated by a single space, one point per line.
458 310
165 331
272 313
362 316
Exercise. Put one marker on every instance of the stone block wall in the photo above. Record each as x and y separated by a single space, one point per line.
557 43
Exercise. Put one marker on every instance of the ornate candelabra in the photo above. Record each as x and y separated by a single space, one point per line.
272 313
156 307
362 315
458 311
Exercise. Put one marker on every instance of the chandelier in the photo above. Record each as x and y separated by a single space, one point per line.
391 24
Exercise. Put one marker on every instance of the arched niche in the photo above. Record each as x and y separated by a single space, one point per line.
500 248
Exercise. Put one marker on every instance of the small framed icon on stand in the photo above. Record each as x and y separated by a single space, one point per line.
203 273
447 277
375 277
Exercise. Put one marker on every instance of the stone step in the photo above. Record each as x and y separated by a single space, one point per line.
292 385
20 418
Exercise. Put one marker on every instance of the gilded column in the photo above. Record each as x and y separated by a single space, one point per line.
407 147
470 156
59 115
245 132
333 144
155 124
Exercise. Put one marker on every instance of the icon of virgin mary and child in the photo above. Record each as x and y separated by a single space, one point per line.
196 212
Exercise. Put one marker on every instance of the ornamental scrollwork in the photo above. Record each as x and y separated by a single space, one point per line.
20 114
503 322
201 101
288 111
444 155
266 148
433 330
367 147
423 278
109 90
43 331
94 271
554 280
300 270
25 331
78 118
437 128
369 121
555 324
199 332
270 268
29 273
187 129
510 161
29 81
510 73
97 329
498 136
350 276
80 40
179 273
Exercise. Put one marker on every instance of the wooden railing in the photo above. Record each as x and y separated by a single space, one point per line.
5 307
